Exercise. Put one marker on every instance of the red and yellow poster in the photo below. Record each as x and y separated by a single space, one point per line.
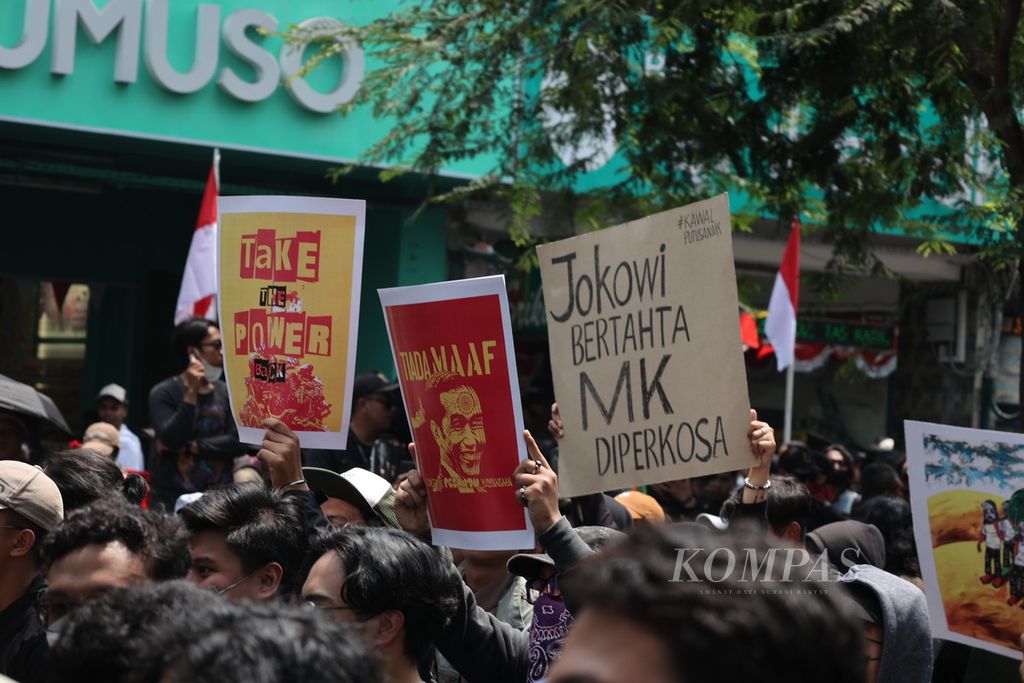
452 344
289 276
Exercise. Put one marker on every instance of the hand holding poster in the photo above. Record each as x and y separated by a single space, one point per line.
452 344
289 276
646 351
967 500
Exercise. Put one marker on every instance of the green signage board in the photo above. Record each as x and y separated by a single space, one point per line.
201 72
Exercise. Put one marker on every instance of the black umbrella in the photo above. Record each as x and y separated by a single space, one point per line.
21 398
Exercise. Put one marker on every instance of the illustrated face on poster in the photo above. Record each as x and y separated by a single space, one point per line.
289 292
460 392
967 498
646 353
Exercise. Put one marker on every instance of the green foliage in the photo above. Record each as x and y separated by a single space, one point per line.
851 112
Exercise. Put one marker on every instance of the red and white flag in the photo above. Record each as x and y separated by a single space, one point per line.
780 326
198 294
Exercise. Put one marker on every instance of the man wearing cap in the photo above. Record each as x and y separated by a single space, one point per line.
112 405
102 438
373 405
356 497
30 507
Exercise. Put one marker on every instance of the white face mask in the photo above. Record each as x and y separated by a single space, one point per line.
210 371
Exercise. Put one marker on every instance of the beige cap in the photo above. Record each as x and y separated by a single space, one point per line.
29 492
102 437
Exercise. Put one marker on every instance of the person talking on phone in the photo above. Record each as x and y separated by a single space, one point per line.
196 437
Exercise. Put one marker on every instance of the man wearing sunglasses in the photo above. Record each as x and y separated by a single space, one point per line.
374 401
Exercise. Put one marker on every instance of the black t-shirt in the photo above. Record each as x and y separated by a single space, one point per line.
24 652
178 424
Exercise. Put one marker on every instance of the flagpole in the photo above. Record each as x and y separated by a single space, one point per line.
787 429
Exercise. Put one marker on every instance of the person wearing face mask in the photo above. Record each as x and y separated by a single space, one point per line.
196 436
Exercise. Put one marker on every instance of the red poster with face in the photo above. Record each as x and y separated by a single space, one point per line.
452 344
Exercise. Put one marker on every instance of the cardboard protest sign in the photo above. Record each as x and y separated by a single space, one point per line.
289 275
452 344
967 500
646 352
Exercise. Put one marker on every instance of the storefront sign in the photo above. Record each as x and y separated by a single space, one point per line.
123 22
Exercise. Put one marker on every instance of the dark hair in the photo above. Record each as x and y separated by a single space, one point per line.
260 526
22 522
387 569
158 538
107 638
190 333
175 631
266 643
879 479
84 476
785 633
788 501
893 518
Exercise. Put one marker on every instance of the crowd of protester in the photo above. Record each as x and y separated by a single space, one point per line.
201 560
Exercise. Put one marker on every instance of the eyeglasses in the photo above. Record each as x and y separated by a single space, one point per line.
214 344
309 604
538 587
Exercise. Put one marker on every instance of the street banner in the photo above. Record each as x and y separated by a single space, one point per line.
452 345
967 500
646 352
289 275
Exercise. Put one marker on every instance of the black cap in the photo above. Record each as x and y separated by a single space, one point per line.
371 383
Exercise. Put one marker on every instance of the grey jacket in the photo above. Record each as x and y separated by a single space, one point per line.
482 648
907 651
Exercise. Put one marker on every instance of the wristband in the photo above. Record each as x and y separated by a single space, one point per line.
757 487
291 484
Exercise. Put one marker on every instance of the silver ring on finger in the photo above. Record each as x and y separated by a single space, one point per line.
537 465
522 494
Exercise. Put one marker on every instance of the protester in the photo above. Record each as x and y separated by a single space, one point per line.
642 508
175 633
879 479
110 544
848 543
247 542
356 496
842 477
30 508
112 406
13 435
477 644
196 437
374 400
893 519
643 618
102 438
894 616
84 476
391 588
